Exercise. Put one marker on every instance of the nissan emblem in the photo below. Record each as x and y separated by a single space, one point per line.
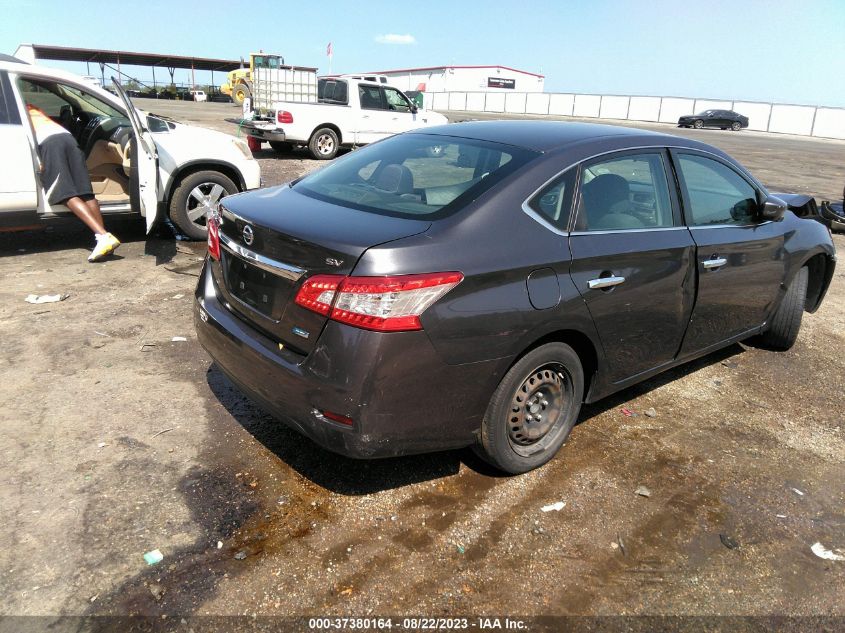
249 236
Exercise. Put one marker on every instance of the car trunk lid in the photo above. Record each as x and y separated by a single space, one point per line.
273 240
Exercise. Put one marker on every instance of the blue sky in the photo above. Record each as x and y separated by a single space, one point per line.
783 51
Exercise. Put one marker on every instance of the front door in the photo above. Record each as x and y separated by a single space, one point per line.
147 160
632 261
18 190
402 116
740 261
375 120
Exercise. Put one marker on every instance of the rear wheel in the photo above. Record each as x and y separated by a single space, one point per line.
281 146
735 126
698 124
323 144
194 197
786 322
533 409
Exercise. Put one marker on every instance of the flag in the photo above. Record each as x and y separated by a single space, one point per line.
329 50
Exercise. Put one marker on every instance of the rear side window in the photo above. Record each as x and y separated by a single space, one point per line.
333 91
370 97
8 109
629 192
716 194
414 175
553 201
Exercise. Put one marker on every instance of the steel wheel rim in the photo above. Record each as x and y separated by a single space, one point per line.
325 144
202 199
537 408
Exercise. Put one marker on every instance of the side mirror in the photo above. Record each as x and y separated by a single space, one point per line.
772 209
414 109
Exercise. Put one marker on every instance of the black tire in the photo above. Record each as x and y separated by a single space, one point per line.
323 144
736 126
786 321
281 146
698 124
194 196
512 438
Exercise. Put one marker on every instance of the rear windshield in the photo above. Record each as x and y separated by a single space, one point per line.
414 175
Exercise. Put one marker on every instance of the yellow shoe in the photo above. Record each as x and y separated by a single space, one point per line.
106 244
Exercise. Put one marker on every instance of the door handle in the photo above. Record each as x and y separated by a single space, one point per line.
712 264
605 282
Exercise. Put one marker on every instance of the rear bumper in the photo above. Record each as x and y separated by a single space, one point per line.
401 395
263 131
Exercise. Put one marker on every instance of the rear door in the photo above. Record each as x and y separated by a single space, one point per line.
739 260
18 191
147 160
632 260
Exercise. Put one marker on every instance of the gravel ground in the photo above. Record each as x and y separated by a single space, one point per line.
118 440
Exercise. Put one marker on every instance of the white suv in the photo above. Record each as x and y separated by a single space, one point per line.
176 169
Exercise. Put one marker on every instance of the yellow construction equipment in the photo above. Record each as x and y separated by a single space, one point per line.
239 82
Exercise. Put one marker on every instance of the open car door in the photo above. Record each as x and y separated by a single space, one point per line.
146 159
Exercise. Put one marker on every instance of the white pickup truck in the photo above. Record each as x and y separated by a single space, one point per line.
349 112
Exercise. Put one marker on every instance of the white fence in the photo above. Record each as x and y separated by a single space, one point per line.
767 117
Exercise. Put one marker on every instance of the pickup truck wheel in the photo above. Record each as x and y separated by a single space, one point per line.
323 144
281 146
786 321
193 198
533 409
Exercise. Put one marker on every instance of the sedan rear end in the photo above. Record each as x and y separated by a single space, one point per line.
345 358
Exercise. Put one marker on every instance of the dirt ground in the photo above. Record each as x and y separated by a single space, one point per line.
117 440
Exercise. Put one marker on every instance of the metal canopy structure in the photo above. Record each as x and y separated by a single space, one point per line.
32 52
64 53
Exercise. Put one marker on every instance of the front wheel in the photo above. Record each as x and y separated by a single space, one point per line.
698 124
194 197
533 409
735 126
323 144
786 321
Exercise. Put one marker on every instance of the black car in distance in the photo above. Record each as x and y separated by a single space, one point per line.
474 284
722 119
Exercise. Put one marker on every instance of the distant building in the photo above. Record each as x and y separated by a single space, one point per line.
464 79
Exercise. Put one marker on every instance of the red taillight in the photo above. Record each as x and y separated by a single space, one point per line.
213 238
317 293
283 116
386 304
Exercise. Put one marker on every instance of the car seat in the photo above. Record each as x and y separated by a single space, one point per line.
605 204
394 178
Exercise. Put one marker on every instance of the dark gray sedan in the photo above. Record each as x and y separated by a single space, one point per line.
474 284
722 119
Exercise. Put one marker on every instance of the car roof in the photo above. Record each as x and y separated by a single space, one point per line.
545 136
45 72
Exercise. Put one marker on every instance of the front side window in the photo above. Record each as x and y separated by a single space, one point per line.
414 175
396 100
716 194
370 97
629 192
